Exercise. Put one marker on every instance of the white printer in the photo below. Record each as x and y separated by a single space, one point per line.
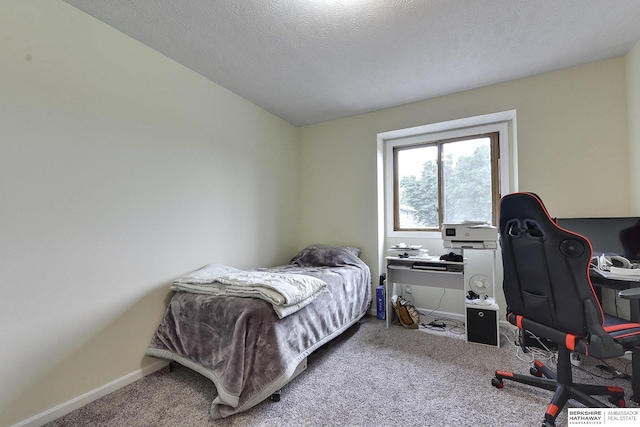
470 235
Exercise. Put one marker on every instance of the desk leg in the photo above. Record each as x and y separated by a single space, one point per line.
635 374
388 288
634 311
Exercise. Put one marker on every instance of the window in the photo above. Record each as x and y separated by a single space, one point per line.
446 173
445 181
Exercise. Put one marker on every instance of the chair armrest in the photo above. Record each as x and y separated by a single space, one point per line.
631 293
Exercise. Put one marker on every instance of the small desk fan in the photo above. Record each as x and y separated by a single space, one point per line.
481 285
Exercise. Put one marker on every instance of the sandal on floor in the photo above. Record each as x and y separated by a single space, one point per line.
407 313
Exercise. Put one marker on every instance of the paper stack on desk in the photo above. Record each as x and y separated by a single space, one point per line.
403 250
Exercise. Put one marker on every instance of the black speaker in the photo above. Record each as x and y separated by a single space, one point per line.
482 325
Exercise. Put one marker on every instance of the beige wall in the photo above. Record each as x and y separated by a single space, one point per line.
572 151
633 107
119 171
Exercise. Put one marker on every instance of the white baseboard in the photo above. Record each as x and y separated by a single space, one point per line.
80 401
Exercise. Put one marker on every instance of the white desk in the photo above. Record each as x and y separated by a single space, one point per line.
421 271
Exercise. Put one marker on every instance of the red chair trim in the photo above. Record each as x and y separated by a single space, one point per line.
630 334
621 327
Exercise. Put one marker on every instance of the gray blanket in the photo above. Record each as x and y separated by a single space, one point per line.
242 346
287 293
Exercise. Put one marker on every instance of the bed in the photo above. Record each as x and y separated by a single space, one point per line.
242 345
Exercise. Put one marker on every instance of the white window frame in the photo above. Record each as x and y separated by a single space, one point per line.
503 123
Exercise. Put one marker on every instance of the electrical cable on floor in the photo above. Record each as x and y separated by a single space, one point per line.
444 291
512 331
595 374
457 328
606 367
534 353
438 324
445 324
442 324
434 326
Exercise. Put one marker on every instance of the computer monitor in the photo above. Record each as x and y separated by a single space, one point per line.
609 236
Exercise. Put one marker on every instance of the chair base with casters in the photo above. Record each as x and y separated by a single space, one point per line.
562 383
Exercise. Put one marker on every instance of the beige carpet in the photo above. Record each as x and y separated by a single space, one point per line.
370 376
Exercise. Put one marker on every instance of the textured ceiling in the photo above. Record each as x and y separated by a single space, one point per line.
308 61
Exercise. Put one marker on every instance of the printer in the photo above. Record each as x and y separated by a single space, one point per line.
470 235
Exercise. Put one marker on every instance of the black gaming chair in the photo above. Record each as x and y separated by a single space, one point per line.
549 293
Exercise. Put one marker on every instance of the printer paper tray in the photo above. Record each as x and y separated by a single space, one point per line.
454 244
